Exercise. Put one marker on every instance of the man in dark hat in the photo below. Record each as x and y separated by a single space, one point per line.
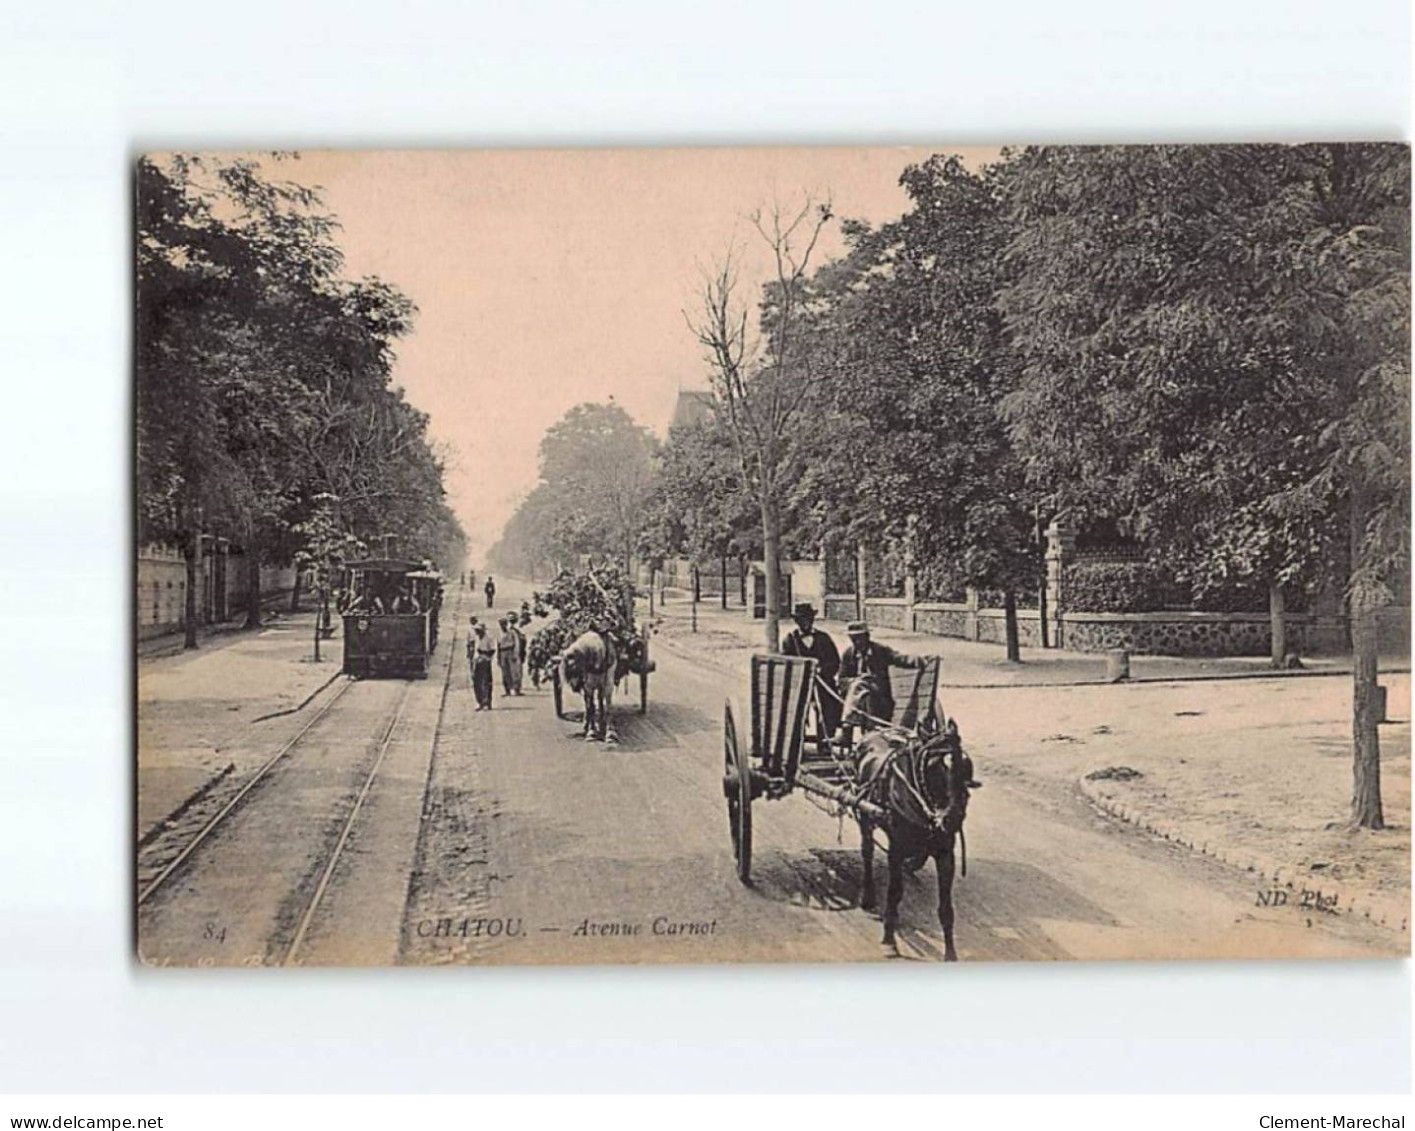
807 640
866 658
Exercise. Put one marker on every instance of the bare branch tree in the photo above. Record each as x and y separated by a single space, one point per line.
762 384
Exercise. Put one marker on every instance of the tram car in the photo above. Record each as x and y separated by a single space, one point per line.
380 642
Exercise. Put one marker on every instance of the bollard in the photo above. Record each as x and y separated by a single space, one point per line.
1117 665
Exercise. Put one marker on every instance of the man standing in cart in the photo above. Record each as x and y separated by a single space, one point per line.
807 640
868 663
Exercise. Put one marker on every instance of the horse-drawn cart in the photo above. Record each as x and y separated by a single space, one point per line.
907 776
633 661
602 598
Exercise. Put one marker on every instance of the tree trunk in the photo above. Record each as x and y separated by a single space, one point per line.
1009 609
724 582
1366 764
771 562
1277 613
1366 748
192 552
252 586
295 592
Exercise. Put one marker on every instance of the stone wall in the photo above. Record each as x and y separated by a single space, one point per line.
887 613
840 606
992 627
1204 634
161 577
943 620
162 591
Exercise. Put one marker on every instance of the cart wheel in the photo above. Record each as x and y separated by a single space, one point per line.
558 693
737 786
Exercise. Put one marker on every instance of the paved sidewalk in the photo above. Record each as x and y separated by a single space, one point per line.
728 638
206 713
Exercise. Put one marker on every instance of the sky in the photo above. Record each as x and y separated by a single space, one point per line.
548 278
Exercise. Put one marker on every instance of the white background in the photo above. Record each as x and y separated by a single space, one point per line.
84 86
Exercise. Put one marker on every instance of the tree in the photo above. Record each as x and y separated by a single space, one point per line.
327 546
597 472
1212 348
700 507
764 380
263 375
911 451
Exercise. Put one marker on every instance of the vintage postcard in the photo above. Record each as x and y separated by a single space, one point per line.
772 555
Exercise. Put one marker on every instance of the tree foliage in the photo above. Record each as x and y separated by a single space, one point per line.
264 375
597 472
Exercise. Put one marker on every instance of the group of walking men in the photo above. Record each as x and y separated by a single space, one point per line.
506 650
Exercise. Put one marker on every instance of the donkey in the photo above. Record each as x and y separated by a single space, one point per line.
587 666
921 783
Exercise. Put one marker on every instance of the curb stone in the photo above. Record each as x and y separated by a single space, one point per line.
1388 914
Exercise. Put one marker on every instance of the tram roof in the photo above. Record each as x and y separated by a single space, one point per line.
385 565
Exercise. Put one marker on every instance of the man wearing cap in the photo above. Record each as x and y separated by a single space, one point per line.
866 658
508 655
807 640
481 653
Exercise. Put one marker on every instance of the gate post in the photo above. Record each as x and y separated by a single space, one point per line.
1061 541
910 565
860 581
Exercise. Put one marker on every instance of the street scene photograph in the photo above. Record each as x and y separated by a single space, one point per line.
771 555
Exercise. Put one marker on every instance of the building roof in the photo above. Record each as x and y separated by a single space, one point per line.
694 407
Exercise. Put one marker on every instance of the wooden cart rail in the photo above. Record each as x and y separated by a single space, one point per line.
784 691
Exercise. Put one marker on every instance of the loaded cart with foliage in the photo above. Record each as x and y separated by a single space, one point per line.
600 594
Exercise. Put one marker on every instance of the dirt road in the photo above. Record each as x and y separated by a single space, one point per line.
502 837
540 847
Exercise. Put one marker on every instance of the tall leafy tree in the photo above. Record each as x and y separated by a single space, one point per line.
597 472
913 452
700 506
1212 346
263 375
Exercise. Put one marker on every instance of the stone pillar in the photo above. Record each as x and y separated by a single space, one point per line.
860 581
910 583
1061 542
971 627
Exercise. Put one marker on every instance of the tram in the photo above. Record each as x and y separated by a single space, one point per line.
381 643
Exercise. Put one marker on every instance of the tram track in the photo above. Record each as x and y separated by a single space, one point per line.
267 875
169 867
316 901
307 917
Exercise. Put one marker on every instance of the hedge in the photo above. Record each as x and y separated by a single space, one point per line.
1114 587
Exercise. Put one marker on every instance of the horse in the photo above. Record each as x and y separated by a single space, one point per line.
921 782
588 666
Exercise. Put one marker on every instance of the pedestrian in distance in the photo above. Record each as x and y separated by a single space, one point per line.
481 654
490 590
